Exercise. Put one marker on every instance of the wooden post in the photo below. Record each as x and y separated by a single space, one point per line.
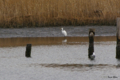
118 39
28 50
118 51
91 42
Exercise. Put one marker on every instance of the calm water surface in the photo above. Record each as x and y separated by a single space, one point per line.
51 62
75 31
59 58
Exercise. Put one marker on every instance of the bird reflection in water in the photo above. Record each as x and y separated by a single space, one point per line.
64 41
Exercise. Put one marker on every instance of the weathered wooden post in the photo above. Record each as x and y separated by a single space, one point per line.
118 39
28 50
91 42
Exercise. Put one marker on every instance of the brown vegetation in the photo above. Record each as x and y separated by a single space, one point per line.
26 13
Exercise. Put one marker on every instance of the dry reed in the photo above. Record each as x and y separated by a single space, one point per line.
32 13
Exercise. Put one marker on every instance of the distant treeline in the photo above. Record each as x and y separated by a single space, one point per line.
37 13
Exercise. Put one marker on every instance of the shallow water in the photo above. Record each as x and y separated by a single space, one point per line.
72 31
60 62
58 58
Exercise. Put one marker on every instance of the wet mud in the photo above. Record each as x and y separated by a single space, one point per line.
12 42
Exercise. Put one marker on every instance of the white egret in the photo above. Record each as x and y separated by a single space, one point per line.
92 56
63 32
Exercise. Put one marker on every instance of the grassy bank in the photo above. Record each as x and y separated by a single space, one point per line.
23 13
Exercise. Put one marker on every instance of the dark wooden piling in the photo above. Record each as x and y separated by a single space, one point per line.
118 39
28 50
91 42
